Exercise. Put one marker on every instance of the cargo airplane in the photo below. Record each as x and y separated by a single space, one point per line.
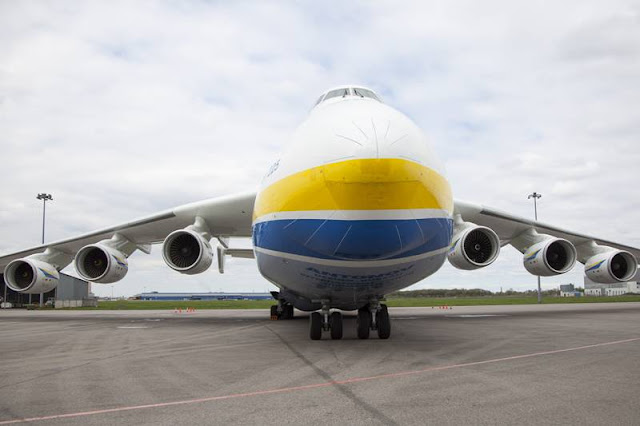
357 206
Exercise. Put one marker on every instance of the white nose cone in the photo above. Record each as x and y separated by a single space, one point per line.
353 129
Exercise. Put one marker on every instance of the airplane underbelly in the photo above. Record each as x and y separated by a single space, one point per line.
348 261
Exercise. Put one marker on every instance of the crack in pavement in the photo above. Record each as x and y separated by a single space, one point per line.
377 414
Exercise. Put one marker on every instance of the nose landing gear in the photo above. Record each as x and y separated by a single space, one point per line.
325 321
374 316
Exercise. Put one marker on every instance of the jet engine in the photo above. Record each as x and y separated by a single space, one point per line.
99 263
611 267
474 247
31 276
187 252
552 256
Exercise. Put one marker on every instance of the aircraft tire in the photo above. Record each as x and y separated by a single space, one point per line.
364 323
286 312
289 311
335 323
274 312
384 323
315 326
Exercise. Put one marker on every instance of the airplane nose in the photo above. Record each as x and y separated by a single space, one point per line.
371 137
365 209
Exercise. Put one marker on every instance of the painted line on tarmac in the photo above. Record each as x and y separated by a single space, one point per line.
476 315
312 386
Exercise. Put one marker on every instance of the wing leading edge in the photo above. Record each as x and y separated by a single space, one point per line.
510 227
228 216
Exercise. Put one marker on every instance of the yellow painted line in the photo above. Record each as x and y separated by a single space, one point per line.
365 184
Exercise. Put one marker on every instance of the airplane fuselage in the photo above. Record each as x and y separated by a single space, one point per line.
356 207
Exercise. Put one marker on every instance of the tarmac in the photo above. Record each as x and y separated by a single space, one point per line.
548 364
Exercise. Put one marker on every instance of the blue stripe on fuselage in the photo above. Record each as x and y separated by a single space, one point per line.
354 239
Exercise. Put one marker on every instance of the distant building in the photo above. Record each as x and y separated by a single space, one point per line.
74 292
154 295
596 289
569 290
71 292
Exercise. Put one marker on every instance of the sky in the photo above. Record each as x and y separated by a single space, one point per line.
122 109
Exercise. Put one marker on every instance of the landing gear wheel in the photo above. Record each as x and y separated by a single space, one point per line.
383 322
274 312
288 311
335 323
364 323
315 326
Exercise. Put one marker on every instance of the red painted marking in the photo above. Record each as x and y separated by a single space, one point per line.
312 386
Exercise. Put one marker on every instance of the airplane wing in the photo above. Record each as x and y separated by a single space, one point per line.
509 228
231 216
228 216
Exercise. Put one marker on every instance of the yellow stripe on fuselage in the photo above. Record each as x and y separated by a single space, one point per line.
365 184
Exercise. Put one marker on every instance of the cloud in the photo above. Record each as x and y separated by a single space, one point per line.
121 109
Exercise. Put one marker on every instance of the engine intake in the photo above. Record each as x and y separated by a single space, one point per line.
474 247
99 263
611 267
31 276
550 257
187 252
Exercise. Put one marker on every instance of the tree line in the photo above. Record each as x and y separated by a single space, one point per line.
468 292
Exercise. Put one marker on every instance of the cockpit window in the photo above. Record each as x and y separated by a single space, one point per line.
365 93
348 91
337 93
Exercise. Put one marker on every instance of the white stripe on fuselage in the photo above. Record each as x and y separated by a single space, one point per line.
401 214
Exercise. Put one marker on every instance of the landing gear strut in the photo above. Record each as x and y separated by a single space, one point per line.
325 321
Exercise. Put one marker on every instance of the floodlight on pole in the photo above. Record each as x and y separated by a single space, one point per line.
535 197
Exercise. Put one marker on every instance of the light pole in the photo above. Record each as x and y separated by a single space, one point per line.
44 197
535 197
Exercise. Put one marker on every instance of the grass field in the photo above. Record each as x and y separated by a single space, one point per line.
197 304
501 300
392 302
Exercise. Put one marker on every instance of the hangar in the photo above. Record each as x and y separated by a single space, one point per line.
70 292
154 295
592 288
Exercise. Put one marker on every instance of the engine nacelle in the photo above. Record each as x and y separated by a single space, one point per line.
550 257
474 247
187 252
99 263
31 276
611 267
